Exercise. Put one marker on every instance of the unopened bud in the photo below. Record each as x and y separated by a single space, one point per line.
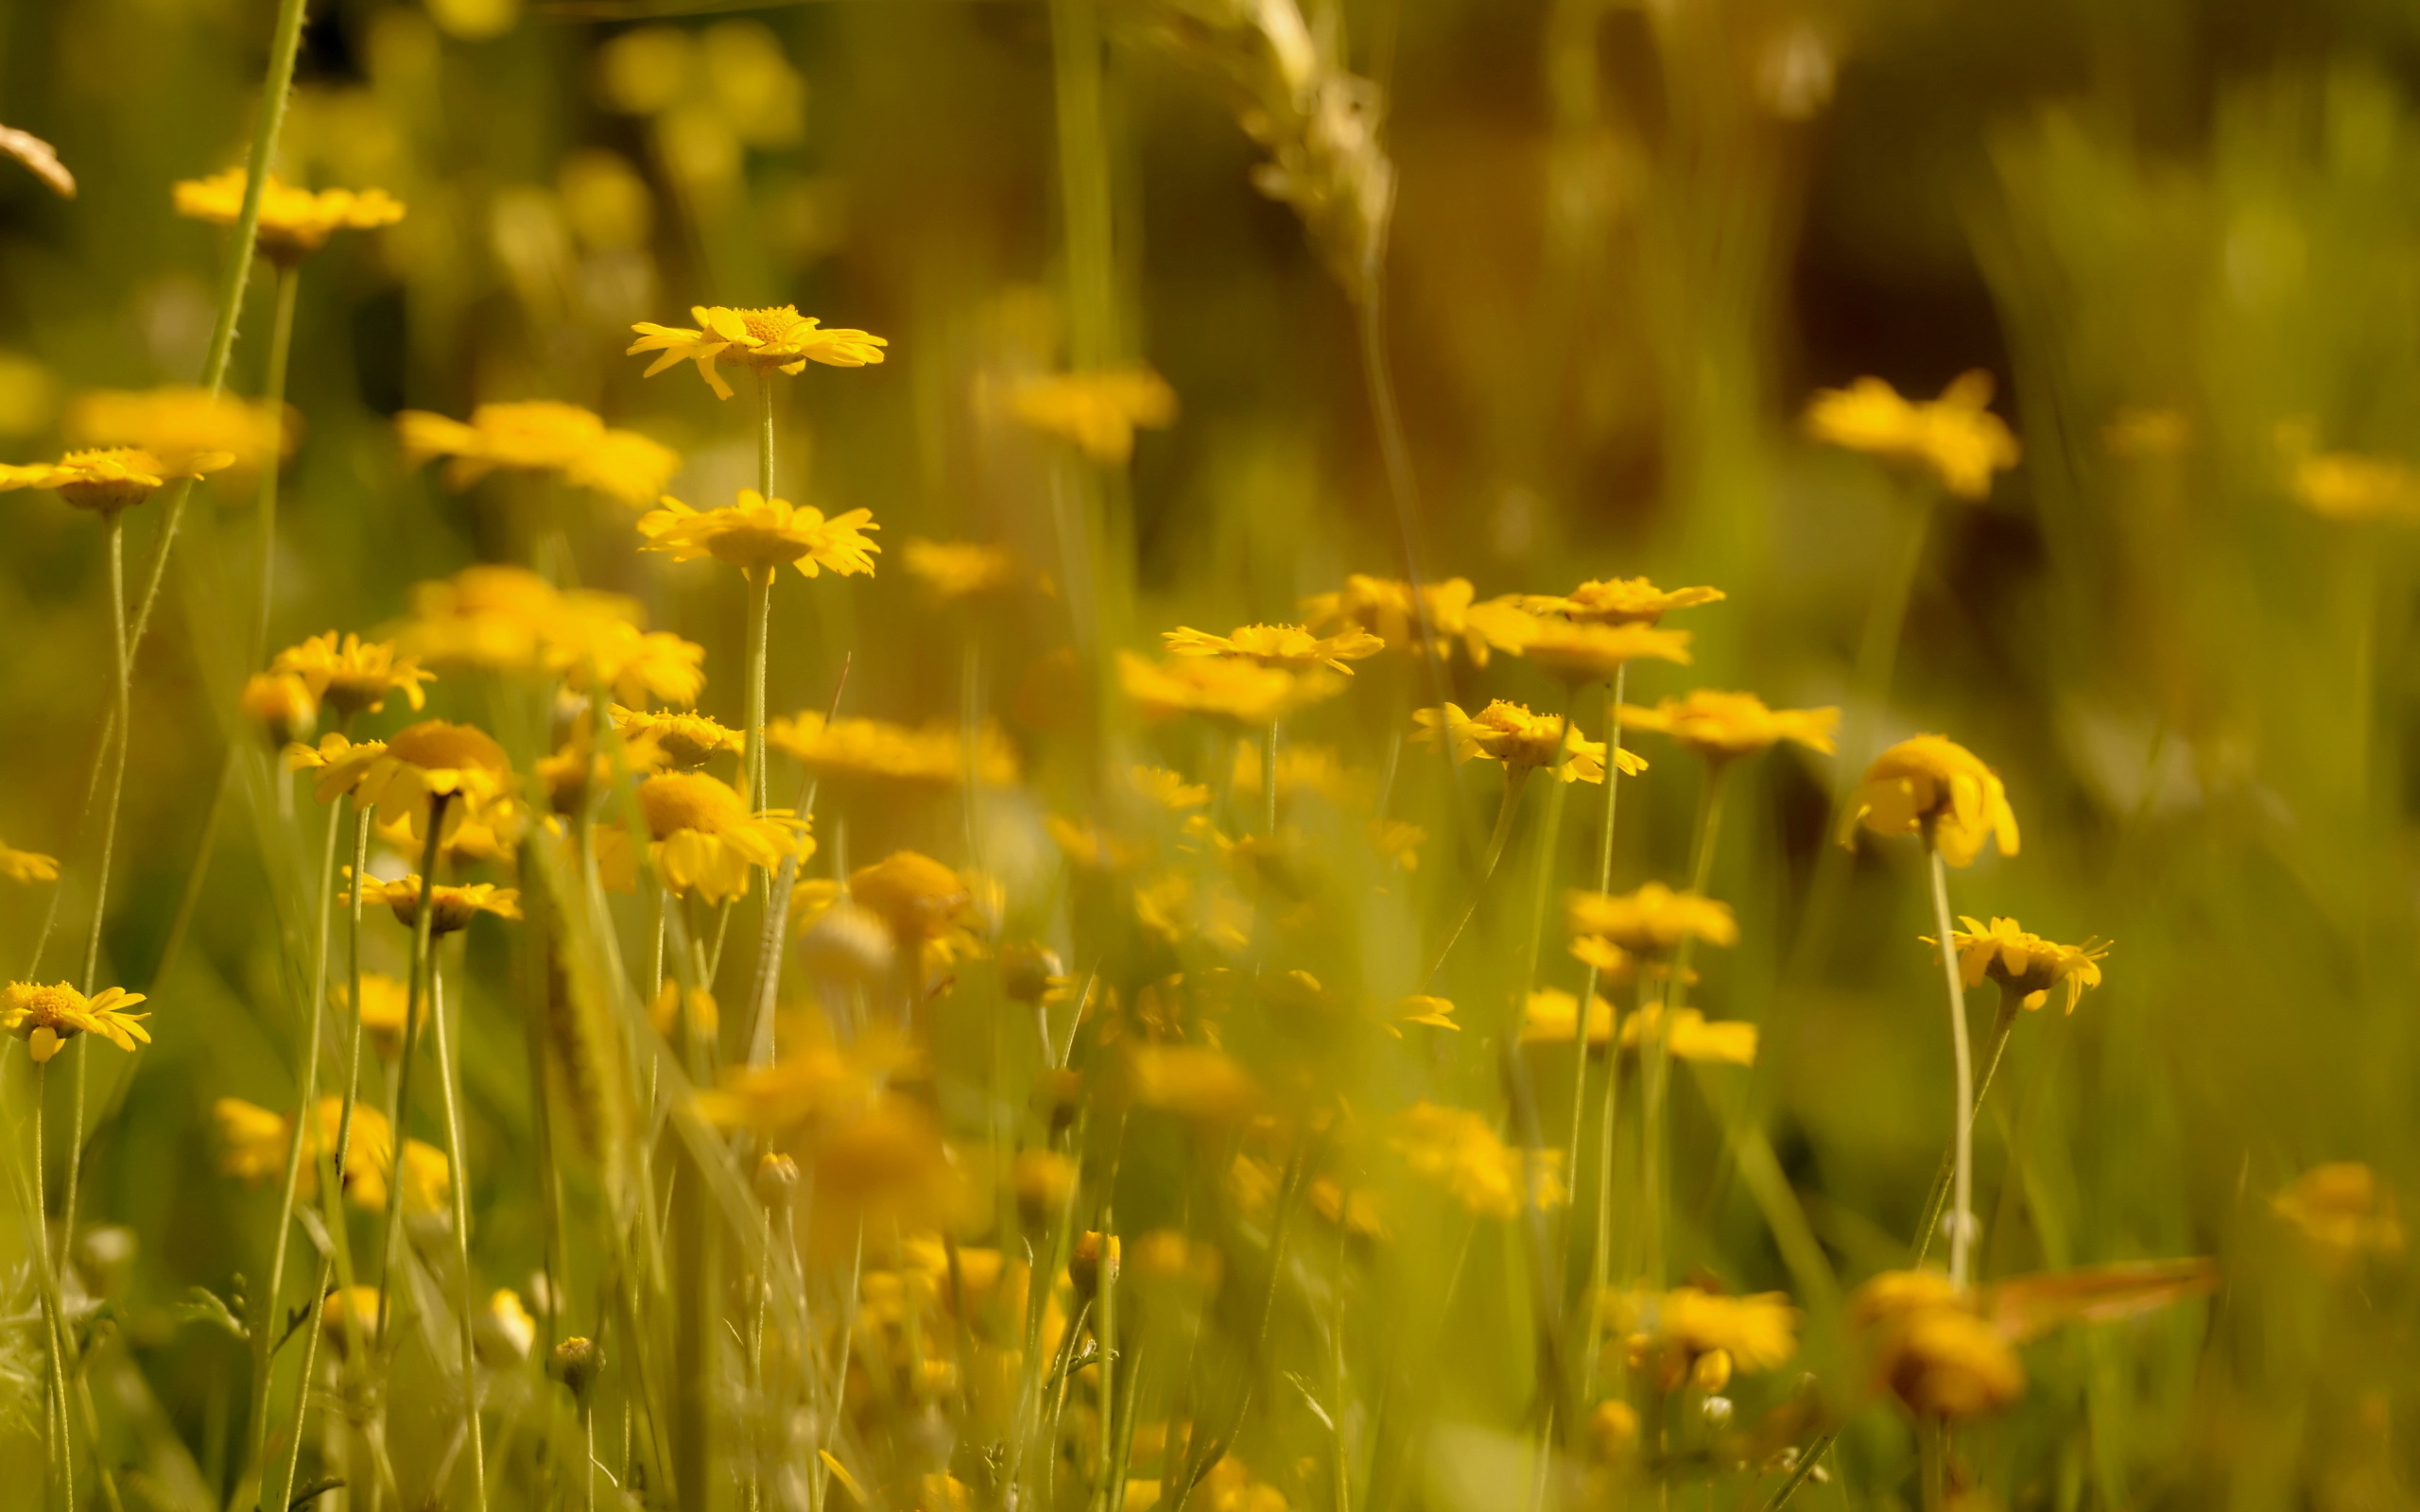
1086 1268
574 1364
1717 1411
776 1179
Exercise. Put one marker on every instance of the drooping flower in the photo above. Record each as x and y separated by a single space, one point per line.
541 436
1097 411
1288 646
1931 785
26 865
353 675
703 839
452 905
1722 727
1931 1349
46 1017
1619 601
2343 1212
187 431
2023 962
768 339
1956 435
757 535
1461 1151
1652 921
1699 1336
109 480
1507 733
1387 609
686 739
952 570
1231 688
876 749
294 222
403 775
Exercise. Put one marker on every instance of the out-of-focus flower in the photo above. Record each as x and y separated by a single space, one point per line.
1722 727
1288 646
39 158
186 431
952 570
1097 411
1387 609
1231 688
107 481
294 222
672 1006
452 906
541 436
1612 1430
1168 789
1699 1336
876 749
1195 1081
1551 1016
385 1006
1652 921
2142 433
475 21
510 620
928 908
757 535
1574 650
46 1017
1459 1151
2343 1212
507 1332
1930 785
26 865
253 1143
1956 435
769 339
282 705
404 774
2023 962
349 1313
686 739
1507 733
352 675
1691 1036
1619 601
1930 1349
1422 1008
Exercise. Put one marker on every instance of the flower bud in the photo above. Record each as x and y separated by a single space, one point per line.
1086 1269
776 1179
574 1364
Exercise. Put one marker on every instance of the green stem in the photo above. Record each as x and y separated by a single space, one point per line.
1269 781
332 1186
1598 1261
1962 1222
2010 1002
1654 1056
424 930
1546 1282
54 1326
281 340
760 616
1604 884
447 1069
1515 779
765 432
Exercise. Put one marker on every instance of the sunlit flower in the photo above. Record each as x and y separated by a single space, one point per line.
1289 646
671 1006
253 1142
353 676
1387 609
952 570
26 865
2342 1211
282 705
1507 733
1956 435
1459 1151
704 839
543 435
1195 1081
385 1006
1699 1336
686 739
187 431
294 222
766 339
1551 1017
1693 1037
1930 1349
1931 785
406 773
1619 601
452 905
876 749
1722 727
1652 921
924 902
1578 651
47 1017
1168 789
1231 688
816 1082
1097 411
510 620
349 1313
2025 963
757 535
1422 1008
107 481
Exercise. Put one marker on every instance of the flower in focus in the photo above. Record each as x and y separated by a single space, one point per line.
1507 733
452 906
541 436
26 865
1933 786
419 765
1701 1337
294 222
109 480
1552 1016
1930 1349
282 705
2025 963
1389 610
1649 921
1956 435
1288 646
2342 1211
1231 688
757 535
876 749
1722 727
1692 1037
1575 651
46 1017
950 570
187 431
1619 601
766 339
1097 411
353 676
686 739
1459 1151
703 839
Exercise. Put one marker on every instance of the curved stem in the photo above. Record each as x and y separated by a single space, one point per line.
1514 781
457 1157
1962 1222
281 341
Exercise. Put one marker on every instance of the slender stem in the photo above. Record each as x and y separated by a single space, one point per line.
53 1327
458 1157
2012 1002
1604 884
398 1117
1546 1282
1654 1053
1599 1239
281 340
1515 779
760 614
302 1396
765 432
332 1192
1962 1222
1269 779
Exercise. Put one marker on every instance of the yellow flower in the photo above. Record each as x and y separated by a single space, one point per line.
403 775
1168 789
1956 435
958 569
282 705
1690 1334
1385 608
1197 1081
1097 411
671 1003
1931 1349
254 1142
187 431
919 899
1931 785
510 620
1693 1037
353 676
1649 921
1551 1017
349 1313
541 436
1232 688
294 222
385 1007
1507 733
758 535
27 865
2343 1212
454 905
1288 646
1435 1012
2349 486
1721 726
779 337
876 749
1459 1151
1619 601
703 839
107 481
47 1017
2025 963
686 739
251 1139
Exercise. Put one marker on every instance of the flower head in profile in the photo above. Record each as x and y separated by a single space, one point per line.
26 865
1459 1151
1722 727
510 620
541 436
1650 922
46 1017
385 1007
1931 1349
452 906
685 738
952 570
1193 1081
1389 610
281 703
294 222
2023 963
1234 688
1576 651
1699 1337
419 765
1098 412
2342 1211
1507 733
1691 1036
1956 435
187 431
109 480
773 339
925 904
1551 1017
757 534
1619 601
1288 647
937 755
352 675
703 839
1933 786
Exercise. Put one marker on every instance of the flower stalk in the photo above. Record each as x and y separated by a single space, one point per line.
1962 1220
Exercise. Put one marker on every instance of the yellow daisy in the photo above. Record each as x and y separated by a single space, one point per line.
187 431
1572 651
1098 411
385 1006
1955 435
686 739
766 339
1287 647
1692 1035
1930 1349
353 675
876 749
1934 786
757 535
1461 1151
1507 733
541 436
1389 609
453 907
1699 1336
1619 601
1551 1017
108 480
421 764
47 1017
2023 962
1722 727
1232 688
253 1142
704 839
1650 922
950 570
294 222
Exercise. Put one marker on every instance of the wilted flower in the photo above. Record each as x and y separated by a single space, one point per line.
1722 727
1956 435
2025 963
294 222
1933 786
1097 411
768 339
47 1017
